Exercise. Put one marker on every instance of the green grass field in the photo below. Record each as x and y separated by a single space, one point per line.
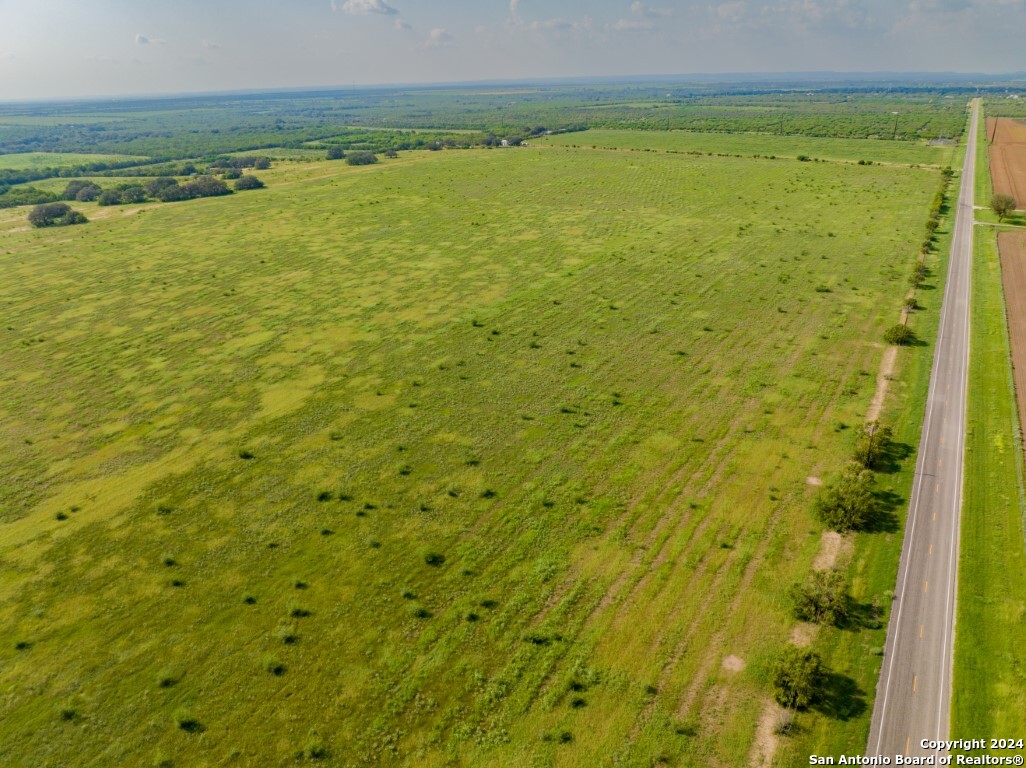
33 160
483 458
747 145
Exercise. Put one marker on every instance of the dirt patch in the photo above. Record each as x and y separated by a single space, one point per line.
1012 246
883 378
810 480
803 635
765 745
734 664
1007 139
834 550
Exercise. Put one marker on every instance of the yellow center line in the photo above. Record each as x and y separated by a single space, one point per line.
936 488
926 586
915 683
920 631
935 514
908 740
931 549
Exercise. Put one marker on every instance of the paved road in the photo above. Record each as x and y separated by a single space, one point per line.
913 697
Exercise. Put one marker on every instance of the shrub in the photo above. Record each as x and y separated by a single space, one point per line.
899 334
248 182
848 504
188 722
823 598
206 186
274 666
173 193
109 197
316 749
335 152
361 158
797 677
55 215
231 173
154 186
434 558
261 163
391 154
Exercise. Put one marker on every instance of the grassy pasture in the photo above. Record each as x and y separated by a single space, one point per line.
489 457
33 160
852 150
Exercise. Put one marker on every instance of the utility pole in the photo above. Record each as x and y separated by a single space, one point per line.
894 135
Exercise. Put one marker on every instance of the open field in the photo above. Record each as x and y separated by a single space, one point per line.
377 458
851 150
33 160
990 660
1012 251
1007 139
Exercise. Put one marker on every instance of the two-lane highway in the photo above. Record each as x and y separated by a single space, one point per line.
913 696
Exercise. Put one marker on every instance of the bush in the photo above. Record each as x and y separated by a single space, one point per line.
206 186
391 153
55 215
848 504
173 193
899 334
248 182
109 197
797 677
154 186
82 191
823 598
335 153
361 158
232 173
434 558
188 722
261 163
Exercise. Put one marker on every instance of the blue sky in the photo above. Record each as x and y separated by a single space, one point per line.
59 48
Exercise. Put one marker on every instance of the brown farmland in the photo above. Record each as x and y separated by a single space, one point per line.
1013 276
1007 139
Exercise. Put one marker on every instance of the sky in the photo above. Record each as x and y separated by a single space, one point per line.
80 48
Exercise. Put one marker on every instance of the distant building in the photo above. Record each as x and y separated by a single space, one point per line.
505 143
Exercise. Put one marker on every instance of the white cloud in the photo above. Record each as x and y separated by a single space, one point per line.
440 38
360 7
641 9
210 45
142 40
402 25
632 25
557 24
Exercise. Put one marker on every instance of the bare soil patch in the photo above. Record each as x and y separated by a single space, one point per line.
1012 246
734 664
1007 138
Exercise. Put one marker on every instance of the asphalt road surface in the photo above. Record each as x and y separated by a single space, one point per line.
913 697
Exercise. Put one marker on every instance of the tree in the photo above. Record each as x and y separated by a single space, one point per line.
848 504
81 190
109 197
262 163
361 158
797 677
172 193
823 598
871 444
88 193
132 193
206 186
391 153
55 215
898 335
1002 205
248 182
231 173
335 152
154 186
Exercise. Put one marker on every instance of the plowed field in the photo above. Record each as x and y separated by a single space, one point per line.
1007 138
1013 275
